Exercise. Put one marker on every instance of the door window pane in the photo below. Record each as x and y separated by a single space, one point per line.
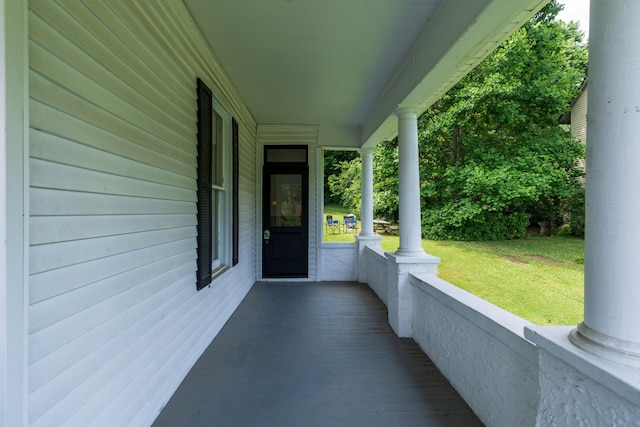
286 201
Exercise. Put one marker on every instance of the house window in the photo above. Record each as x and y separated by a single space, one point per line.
214 195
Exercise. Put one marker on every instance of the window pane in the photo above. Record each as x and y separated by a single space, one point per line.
286 201
217 175
215 230
286 155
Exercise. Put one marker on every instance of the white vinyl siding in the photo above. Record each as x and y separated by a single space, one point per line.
115 321
294 135
579 121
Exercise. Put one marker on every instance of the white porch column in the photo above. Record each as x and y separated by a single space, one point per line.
410 257
589 374
409 182
612 270
366 202
367 237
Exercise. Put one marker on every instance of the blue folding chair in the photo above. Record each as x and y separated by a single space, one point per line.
350 223
332 225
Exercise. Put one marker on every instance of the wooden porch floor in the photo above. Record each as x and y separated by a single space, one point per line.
314 354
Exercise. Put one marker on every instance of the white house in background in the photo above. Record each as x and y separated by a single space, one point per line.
106 238
576 117
579 114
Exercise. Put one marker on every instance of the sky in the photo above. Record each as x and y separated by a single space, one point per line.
576 10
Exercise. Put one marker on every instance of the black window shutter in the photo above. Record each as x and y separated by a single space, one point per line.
236 179
205 141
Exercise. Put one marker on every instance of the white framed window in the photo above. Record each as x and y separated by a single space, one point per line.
214 187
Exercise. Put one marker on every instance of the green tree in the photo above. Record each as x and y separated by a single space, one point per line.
333 164
493 156
344 187
385 181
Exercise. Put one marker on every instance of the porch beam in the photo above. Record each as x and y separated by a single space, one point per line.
473 30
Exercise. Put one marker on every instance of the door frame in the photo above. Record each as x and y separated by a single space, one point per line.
300 166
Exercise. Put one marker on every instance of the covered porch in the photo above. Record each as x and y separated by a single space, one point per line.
314 354
100 316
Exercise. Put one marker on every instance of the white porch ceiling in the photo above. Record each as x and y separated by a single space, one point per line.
349 63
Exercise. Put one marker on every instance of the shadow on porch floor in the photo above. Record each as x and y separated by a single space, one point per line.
313 354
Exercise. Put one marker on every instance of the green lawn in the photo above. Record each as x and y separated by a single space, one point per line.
538 278
338 212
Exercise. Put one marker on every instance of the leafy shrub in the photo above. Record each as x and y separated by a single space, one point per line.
385 181
333 166
492 154
345 186
575 211
564 230
456 222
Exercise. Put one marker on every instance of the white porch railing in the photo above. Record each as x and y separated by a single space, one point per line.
504 377
338 262
479 347
481 350
377 272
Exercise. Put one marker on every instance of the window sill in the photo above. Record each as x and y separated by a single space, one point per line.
218 272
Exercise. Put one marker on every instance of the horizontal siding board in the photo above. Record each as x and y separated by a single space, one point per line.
288 134
117 60
52 371
191 53
168 42
65 76
52 229
60 202
59 150
144 45
183 55
57 255
160 22
49 93
98 368
223 306
56 122
139 92
163 69
137 387
126 306
170 348
191 344
222 302
134 53
47 312
181 29
56 176
55 282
